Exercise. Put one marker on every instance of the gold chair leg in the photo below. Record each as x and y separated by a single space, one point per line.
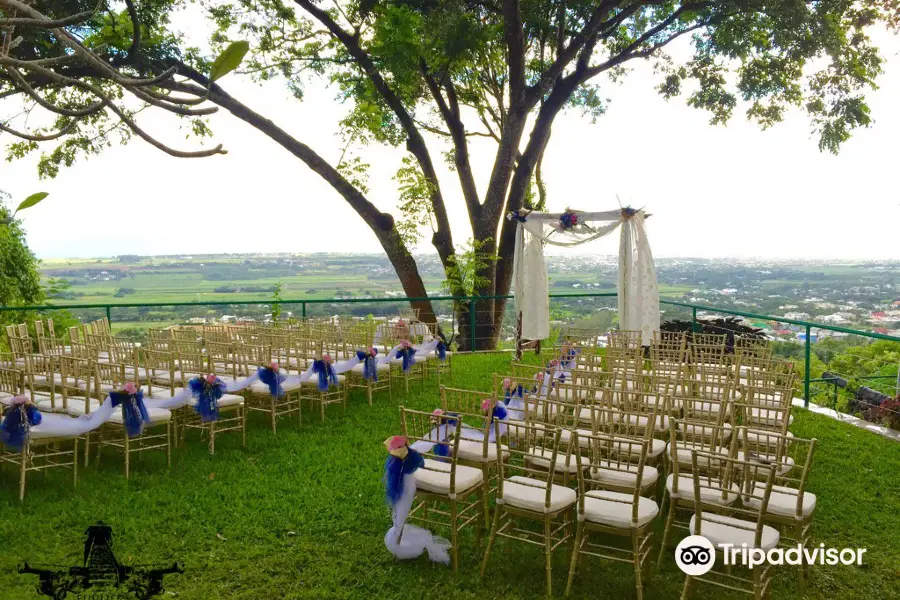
127 453
75 464
212 438
636 548
686 590
670 519
243 410
454 535
272 406
576 551
490 544
548 551
23 471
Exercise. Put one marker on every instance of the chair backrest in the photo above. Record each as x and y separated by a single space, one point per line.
536 456
755 483
687 436
158 363
748 346
624 338
426 431
608 455
109 374
11 381
792 456
464 401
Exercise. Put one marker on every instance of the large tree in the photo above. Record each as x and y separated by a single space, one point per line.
416 71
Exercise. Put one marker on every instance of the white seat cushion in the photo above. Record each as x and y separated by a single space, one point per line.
787 462
707 495
566 435
615 509
728 530
540 457
473 451
764 437
656 448
417 358
261 388
623 475
531 494
5 398
76 405
226 402
683 452
436 478
783 502
706 431
379 367
157 415
42 401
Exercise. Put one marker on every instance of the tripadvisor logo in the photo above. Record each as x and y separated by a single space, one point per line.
696 555
101 576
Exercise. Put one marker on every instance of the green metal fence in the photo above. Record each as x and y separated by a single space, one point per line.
471 302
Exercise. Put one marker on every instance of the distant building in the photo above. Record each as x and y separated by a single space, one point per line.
796 316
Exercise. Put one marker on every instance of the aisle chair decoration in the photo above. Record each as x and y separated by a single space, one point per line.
369 359
20 417
134 411
208 391
272 376
402 540
406 353
325 371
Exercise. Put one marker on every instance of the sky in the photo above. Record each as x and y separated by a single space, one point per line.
732 191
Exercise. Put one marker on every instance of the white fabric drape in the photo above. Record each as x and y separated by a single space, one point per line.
638 290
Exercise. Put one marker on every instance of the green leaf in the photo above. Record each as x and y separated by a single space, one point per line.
31 200
228 60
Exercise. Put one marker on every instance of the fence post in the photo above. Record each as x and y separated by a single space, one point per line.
694 319
303 309
109 314
808 367
471 325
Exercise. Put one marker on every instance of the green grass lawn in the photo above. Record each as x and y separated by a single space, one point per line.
301 514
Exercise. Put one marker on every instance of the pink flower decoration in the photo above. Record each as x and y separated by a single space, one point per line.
574 219
327 358
486 405
401 323
437 412
539 376
18 401
404 344
395 442
372 351
130 388
274 366
211 379
507 383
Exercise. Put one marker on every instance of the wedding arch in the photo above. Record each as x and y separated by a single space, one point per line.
638 291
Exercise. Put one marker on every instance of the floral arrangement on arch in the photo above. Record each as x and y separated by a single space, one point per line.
567 221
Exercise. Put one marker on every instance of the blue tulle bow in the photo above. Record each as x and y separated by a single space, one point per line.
406 354
134 412
370 367
17 424
394 470
500 413
327 376
442 450
273 379
518 392
517 216
207 396
442 350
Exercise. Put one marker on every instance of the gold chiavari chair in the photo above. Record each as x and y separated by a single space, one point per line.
356 379
791 506
157 435
613 514
757 347
11 385
563 417
743 527
232 416
41 451
444 480
527 492
258 397
624 339
309 391
688 436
